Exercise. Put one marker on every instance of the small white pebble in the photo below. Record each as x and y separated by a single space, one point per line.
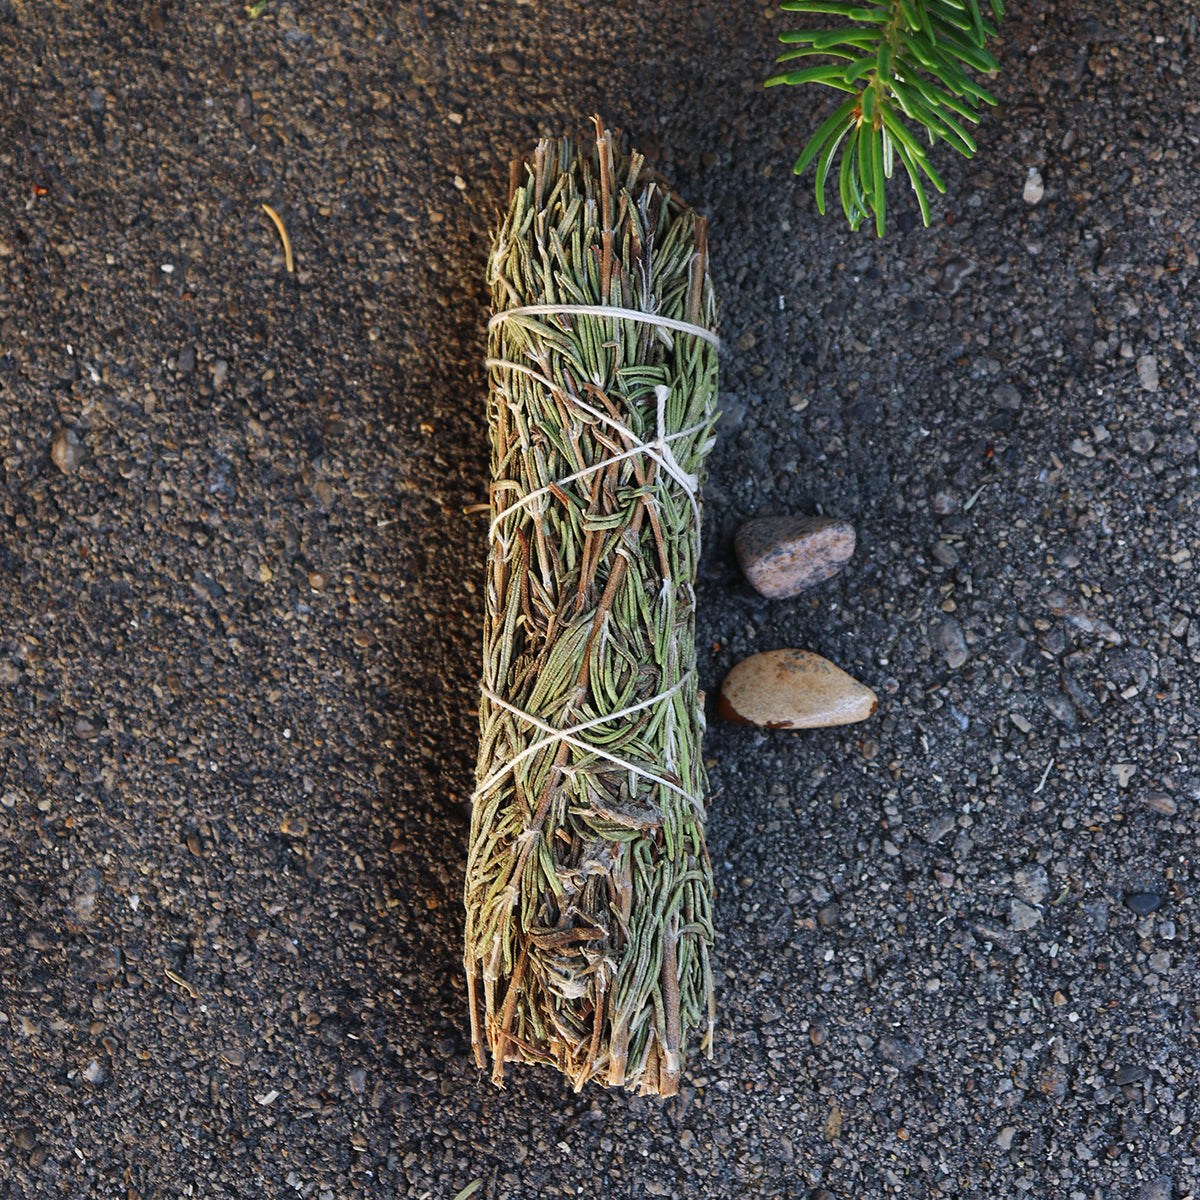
168 269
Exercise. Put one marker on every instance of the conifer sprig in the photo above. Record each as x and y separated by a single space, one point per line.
902 62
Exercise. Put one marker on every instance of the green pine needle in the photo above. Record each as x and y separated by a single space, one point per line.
904 63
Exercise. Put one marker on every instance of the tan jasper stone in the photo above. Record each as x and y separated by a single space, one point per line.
793 689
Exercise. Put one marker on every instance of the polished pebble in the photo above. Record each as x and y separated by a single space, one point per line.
793 689
782 556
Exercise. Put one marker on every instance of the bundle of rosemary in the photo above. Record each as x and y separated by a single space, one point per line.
588 888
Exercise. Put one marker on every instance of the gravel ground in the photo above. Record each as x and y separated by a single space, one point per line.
238 633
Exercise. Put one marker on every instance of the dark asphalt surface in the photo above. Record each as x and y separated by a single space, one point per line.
239 637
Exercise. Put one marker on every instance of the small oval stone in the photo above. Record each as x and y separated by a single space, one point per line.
793 689
66 451
1143 903
1131 1074
949 636
1161 802
781 556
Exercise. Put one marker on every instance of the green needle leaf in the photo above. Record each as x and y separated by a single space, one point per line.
824 161
914 177
838 117
852 12
789 55
883 62
866 176
880 186
831 76
977 20
845 173
896 128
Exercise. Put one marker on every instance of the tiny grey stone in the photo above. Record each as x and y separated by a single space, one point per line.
939 827
1124 773
208 588
1142 441
1022 916
1088 708
25 1137
1031 884
1131 1074
1147 369
66 451
95 101
1007 397
185 364
94 1072
1161 802
510 63
949 638
899 1053
944 504
1143 903
1054 640
945 554
1061 709
953 272
1161 1188
828 915
220 371
1004 1139
358 1081
733 413
87 887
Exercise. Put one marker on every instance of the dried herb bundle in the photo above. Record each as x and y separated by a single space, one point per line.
588 888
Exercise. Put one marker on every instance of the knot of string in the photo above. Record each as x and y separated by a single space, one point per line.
658 449
571 736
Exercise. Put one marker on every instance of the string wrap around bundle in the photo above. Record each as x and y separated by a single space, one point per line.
588 889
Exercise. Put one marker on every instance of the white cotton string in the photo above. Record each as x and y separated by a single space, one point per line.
568 736
605 310
667 461
659 449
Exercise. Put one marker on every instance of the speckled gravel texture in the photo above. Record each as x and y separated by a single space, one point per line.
239 636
